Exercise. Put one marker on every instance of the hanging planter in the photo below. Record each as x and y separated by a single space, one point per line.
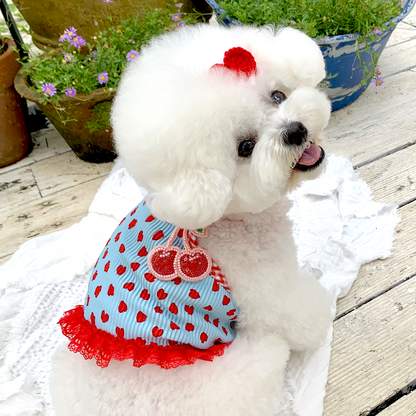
14 135
346 79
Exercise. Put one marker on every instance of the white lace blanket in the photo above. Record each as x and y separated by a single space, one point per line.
337 228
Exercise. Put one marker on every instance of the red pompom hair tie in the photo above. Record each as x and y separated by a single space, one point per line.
238 60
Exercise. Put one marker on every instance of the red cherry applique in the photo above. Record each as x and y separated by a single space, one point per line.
104 317
149 277
110 291
225 300
194 265
107 266
189 327
117 236
142 252
92 318
194 294
132 224
161 262
97 291
173 309
122 307
134 266
122 248
158 235
203 337
157 332
129 286
145 294
94 276
140 236
121 270
141 317
120 332
158 309
150 218
173 326
189 309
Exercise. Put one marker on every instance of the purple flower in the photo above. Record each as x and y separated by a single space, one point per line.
179 5
326 39
181 23
132 55
378 71
131 41
48 89
377 31
292 22
67 56
71 92
378 81
96 23
108 1
70 33
77 41
103 77
62 38
176 17
93 56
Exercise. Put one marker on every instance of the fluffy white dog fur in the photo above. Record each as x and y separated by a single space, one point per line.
178 126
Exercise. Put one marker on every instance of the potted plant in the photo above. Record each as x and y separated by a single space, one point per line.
351 34
14 136
75 84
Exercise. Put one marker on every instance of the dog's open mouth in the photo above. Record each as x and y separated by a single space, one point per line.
311 158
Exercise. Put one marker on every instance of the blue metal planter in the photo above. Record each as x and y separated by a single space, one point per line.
344 73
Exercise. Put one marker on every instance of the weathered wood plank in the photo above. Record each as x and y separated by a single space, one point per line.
373 353
377 276
17 187
406 406
403 33
65 171
392 178
383 118
44 216
398 57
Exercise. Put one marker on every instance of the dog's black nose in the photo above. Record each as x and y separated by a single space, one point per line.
296 133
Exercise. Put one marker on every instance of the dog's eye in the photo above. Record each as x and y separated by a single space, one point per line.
278 97
245 148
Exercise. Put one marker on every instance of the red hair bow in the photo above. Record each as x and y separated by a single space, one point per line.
238 60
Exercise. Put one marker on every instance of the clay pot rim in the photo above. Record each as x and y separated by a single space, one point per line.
21 83
9 49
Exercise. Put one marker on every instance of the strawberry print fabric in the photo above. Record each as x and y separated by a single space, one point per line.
129 303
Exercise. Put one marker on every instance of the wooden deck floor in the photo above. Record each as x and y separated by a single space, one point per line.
373 362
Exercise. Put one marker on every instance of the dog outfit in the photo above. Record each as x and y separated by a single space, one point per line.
131 311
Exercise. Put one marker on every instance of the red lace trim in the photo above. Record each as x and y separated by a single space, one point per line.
92 342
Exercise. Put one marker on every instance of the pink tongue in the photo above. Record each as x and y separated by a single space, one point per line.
310 156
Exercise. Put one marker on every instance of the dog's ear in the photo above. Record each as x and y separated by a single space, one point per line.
192 200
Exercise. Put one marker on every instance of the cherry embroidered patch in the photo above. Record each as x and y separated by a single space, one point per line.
140 317
194 265
161 262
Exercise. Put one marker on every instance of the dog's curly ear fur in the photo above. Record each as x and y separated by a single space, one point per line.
193 199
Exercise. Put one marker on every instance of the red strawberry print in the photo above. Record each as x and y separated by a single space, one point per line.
173 309
92 318
97 291
149 277
161 294
158 309
150 218
189 309
194 294
129 286
122 248
117 236
105 253
203 337
88 300
189 327
121 270
120 332
177 281
145 294
140 236
104 317
140 342
225 300
142 252
110 291
225 331
158 235
157 332
206 317
215 286
94 276
134 266
216 321
180 233
173 326
107 266
208 308
133 212
122 307
231 312
141 317
132 224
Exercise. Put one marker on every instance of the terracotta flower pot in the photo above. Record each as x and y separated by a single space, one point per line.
96 146
14 135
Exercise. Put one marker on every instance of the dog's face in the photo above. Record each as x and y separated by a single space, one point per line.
206 140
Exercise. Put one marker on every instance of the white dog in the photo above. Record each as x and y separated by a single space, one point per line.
217 124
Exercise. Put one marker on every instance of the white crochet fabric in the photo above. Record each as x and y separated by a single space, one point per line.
337 228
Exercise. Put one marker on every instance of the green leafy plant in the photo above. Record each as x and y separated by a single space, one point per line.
321 19
78 67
